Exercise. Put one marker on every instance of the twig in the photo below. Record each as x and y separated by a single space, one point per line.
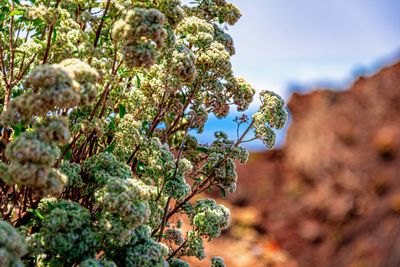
164 219
96 39
50 35
177 250
187 103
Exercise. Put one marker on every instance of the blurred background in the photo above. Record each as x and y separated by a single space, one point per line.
297 46
329 194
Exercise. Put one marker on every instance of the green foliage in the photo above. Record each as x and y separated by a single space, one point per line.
217 262
124 207
97 263
271 115
66 235
99 99
142 250
12 246
104 166
210 218
177 263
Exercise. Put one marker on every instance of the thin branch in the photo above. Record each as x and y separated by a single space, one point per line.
164 219
50 36
98 32
3 66
156 119
12 51
177 250
64 153
133 155
189 100
48 44
102 101
23 71
249 140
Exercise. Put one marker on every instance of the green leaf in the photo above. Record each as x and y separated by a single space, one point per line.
222 190
68 156
122 111
36 213
202 149
53 39
17 129
137 81
111 125
15 12
38 41
145 124
140 167
111 147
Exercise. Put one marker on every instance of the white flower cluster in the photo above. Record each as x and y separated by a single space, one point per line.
216 58
123 200
174 235
124 207
183 64
271 114
46 13
153 79
127 137
210 218
194 246
73 172
217 262
143 251
225 39
33 154
198 116
221 156
60 86
221 10
196 31
157 159
105 166
140 31
241 92
177 186
70 39
172 10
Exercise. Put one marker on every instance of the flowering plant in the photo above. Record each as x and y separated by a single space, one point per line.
100 99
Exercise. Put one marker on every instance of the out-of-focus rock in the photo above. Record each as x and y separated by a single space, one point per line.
330 195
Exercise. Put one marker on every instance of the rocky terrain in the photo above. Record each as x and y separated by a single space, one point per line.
331 195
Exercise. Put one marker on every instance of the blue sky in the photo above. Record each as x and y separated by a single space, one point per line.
281 43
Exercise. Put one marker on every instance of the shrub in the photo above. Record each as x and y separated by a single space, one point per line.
100 102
